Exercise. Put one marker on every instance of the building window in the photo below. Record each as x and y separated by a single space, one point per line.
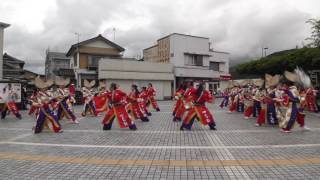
193 60
93 61
214 66
62 63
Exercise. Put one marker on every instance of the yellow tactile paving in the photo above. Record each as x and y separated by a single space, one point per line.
177 163
143 162
212 163
160 162
282 162
248 163
195 163
265 162
230 163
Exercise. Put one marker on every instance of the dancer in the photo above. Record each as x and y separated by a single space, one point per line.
311 99
100 99
144 99
225 101
198 110
272 99
63 99
294 97
248 102
134 106
179 107
256 92
44 116
10 104
89 103
152 93
116 98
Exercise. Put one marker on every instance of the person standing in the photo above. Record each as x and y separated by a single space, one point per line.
198 110
88 94
134 107
10 104
117 110
179 107
144 99
42 102
63 98
152 94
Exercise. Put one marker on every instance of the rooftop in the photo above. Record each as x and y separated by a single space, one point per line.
4 25
99 37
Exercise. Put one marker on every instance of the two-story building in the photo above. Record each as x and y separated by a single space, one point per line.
192 58
85 57
58 64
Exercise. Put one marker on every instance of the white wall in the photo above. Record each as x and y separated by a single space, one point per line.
222 57
180 44
163 87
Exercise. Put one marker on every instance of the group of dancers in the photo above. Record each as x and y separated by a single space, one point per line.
279 100
49 106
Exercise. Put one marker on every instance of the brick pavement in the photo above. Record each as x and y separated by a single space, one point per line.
158 150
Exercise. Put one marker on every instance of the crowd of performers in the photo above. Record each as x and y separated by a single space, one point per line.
51 105
277 100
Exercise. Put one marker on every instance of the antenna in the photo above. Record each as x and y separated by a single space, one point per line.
114 34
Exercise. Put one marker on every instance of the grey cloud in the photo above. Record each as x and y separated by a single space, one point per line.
241 34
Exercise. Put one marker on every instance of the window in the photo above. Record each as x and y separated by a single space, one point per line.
93 61
214 66
62 63
193 60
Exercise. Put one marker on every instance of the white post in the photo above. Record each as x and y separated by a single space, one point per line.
2 27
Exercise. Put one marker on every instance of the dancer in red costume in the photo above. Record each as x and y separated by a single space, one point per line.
311 99
152 93
134 106
10 104
33 99
179 107
144 99
100 99
116 98
198 109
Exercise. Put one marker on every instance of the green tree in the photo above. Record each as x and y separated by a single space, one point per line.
315 33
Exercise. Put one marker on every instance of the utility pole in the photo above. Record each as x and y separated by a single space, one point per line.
77 61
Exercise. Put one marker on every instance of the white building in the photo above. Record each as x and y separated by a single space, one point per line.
2 27
127 72
192 58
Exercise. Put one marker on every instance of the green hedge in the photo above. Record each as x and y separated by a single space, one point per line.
277 63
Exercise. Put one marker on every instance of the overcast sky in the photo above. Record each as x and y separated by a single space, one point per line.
240 27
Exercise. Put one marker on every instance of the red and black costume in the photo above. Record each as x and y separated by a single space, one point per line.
116 98
198 110
151 100
134 107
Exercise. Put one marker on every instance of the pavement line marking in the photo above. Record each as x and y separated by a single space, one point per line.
224 153
232 164
161 132
17 137
157 147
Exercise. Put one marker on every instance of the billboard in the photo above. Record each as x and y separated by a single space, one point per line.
9 92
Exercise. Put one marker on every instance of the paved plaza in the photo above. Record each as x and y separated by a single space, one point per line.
159 150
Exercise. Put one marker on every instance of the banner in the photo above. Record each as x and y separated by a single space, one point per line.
10 92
